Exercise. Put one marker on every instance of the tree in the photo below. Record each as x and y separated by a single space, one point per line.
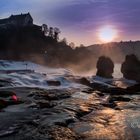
81 45
64 41
45 29
51 32
72 45
56 33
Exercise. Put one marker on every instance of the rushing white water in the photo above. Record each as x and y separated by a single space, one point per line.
117 71
27 74
34 75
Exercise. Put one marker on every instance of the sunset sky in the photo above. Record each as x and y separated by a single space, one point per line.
81 20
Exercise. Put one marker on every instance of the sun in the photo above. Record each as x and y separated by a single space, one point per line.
107 34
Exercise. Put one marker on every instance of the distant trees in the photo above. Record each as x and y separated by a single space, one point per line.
72 45
81 45
51 32
64 41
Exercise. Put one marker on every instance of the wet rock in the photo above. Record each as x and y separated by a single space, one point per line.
135 88
105 67
63 133
31 131
6 93
100 93
4 83
76 115
117 91
99 86
1 85
119 98
84 81
66 122
3 104
34 123
11 130
110 105
111 101
48 133
46 104
105 124
131 68
53 95
89 90
14 102
54 83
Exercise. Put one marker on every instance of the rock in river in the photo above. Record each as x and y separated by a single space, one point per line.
104 67
131 68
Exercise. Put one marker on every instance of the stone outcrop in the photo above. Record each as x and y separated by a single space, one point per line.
105 67
131 68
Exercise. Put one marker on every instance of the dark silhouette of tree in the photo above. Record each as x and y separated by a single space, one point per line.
81 45
51 32
56 33
72 45
45 29
64 41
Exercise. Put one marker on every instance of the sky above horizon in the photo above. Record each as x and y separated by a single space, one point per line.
80 20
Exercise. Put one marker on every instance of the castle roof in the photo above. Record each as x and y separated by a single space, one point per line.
20 17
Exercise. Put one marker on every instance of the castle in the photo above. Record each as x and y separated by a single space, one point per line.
21 20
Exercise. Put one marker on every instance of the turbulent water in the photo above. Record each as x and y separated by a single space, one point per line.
66 109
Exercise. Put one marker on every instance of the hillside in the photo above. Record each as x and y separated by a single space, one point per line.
116 50
29 43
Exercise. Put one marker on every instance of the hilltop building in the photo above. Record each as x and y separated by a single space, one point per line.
21 20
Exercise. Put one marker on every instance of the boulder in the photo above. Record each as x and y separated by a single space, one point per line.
84 81
45 104
131 68
119 98
135 88
54 83
105 67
